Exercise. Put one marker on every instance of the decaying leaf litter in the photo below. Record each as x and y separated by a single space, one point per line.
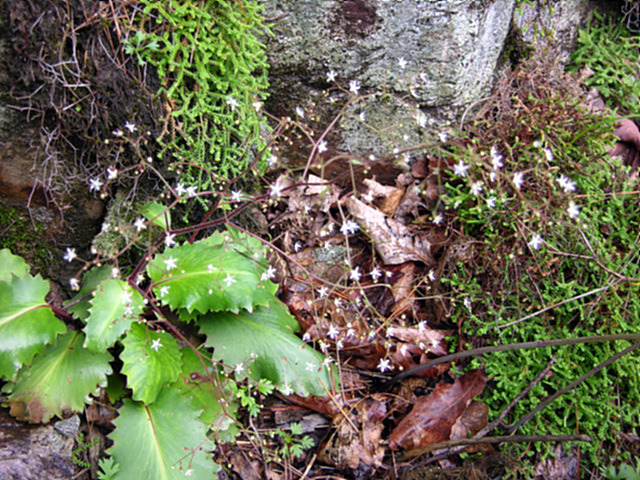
360 264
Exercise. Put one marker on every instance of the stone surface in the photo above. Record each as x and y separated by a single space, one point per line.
30 452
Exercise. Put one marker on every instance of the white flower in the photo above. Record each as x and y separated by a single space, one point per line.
229 280
339 344
70 254
74 284
126 297
275 191
322 146
306 337
431 275
573 210
384 365
567 184
518 180
323 292
496 158
362 116
192 190
300 112
402 63
491 202
128 310
169 239
164 290
269 274
422 326
536 242
376 274
297 247
349 227
156 345
232 103
272 161
355 274
236 196
438 219
331 76
310 367
421 119
95 184
327 361
188 472
180 190
549 154
443 137
286 389
354 87
257 106
333 332
112 173
131 127
117 132
476 188
323 346
239 369
115 272
460 169
140 224
170 263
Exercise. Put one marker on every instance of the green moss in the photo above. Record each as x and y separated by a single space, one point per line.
24 237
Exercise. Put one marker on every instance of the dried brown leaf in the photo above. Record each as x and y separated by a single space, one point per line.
394 242
432 417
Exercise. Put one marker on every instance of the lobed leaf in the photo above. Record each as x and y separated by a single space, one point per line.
205 388
81 303
264 344
58 381
158 214
150 361
113 307
163 441
27 323
11 264
209 277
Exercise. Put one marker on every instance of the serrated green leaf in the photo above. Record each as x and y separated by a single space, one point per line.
158 214
11 264
80 304
161 441
205 387
209 278
267 336
150 360
58 380
114 306
26 322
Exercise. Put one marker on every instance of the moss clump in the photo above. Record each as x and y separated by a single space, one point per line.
24 237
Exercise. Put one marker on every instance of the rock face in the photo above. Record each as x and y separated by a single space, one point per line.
434 57
450 47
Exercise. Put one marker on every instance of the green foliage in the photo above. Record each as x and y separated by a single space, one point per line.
161 441
178 395
79 451
109 468
608 48
59 380
214 74
626 472
292 446
26 322
561 261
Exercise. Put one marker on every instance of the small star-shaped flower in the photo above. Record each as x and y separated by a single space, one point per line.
375 274
180 190
323 292
310 367
140 224
126 296
355 274
164 290
156 345
95 184
229 280
331 76
402 63
275 191
573 210
70 255
333 332
112 173
232 103
236 196
131 127
170 263
518 180
384 365
460 169
269 274
322 146
536 242
354 87
169 239
74 284
349 227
